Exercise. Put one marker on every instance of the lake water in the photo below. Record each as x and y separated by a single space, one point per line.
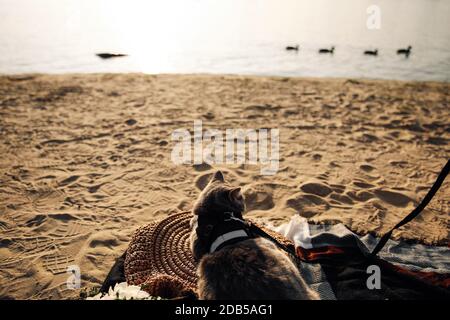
226 36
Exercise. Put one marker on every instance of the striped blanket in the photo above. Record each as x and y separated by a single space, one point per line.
336 263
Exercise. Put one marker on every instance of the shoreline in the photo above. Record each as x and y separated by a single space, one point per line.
87 161
213 75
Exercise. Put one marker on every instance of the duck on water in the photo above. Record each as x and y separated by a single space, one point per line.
327 50
406 51
106 55
292 48
371 52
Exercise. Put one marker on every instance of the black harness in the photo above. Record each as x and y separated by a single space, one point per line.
228 229
222 229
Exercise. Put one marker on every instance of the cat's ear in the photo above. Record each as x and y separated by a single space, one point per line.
218 176
235 194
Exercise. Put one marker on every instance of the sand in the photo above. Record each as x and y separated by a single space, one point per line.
85 160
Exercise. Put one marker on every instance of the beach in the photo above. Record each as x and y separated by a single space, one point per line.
86 160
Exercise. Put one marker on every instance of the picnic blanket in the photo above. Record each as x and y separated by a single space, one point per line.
334 262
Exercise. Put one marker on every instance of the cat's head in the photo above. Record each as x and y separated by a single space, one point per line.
217 198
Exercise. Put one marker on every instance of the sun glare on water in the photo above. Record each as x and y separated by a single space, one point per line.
151 32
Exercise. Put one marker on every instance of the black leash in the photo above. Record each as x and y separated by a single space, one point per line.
255 230
437 184
260 232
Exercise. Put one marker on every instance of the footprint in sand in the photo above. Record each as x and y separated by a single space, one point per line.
367 167
57 263
323 176
363 185
185 204
37 220
44 196
338 188
42 163
103 240
131 122
341 198
259 198
316 188
202 181
334 164
70 227
367 138
202 167
399 164
307 205
360 196
262 108
35 245
439 141
68 180
393 198
115 187
94 189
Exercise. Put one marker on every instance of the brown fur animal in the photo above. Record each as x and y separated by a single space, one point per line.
250 268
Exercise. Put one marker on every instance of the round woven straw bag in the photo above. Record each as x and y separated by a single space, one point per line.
159 257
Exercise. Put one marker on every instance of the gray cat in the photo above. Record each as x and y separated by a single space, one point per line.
245 267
